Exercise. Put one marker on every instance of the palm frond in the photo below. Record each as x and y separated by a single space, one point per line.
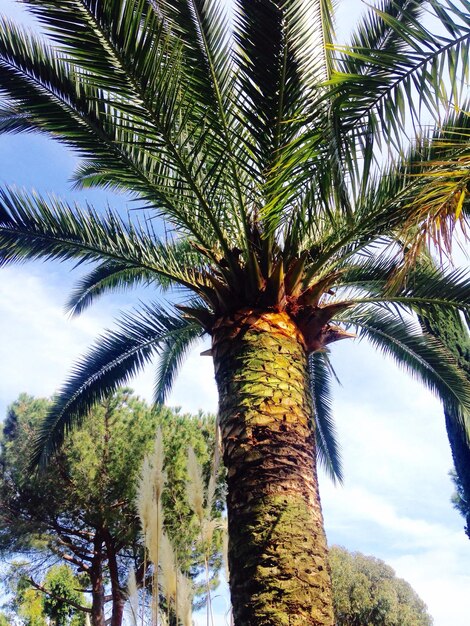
373 33
49 94
370 272
279 64
32 227
420 355
423 195
397 200
420 287
378 30
109 277
269 72
284 58
13 120
432 284
204 29
395 66
320 387
172 354
138 128
426 287
115 358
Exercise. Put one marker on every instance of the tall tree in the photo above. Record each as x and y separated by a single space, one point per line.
367 591
453 333
81 511
256 142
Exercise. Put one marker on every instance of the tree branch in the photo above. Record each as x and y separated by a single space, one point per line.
42 589
70 558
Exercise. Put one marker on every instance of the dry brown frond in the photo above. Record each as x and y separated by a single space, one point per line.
438 207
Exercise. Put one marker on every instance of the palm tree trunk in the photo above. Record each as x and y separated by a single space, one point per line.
279 573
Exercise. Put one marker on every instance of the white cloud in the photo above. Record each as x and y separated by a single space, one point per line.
440 577
432 556
356 506
39 341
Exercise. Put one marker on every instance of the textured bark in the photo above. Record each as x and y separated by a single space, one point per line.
118 597
97 587
279 573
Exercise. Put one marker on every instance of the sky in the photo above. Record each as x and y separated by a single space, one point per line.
395 501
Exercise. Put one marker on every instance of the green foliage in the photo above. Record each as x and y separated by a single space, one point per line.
49 601
94 471
31 609
4 620
366 592
460 499
25 601
89 489
61 589
453 333
179 435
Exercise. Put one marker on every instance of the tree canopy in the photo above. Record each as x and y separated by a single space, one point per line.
81 510
55 599
366 592
453 333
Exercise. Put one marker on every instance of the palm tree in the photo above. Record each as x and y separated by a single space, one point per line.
455 337
257 145
449 151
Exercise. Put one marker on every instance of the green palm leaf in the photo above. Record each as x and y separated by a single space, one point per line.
173 352
420 355
394 67
114 359
32 227
445 291
109 277
159 147
320 386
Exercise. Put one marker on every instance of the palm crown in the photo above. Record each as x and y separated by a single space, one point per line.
255 140
261 144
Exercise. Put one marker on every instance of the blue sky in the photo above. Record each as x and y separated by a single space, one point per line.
395 503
